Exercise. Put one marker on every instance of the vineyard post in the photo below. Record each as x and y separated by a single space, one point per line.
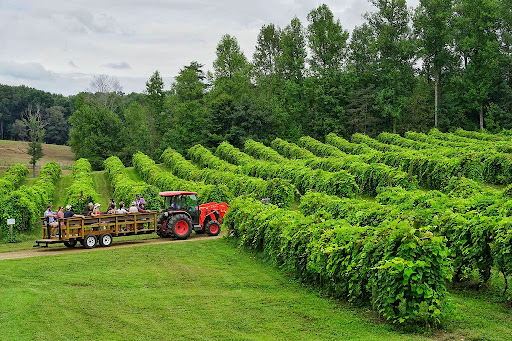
11 223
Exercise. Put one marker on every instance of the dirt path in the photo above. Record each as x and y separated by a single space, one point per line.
118 243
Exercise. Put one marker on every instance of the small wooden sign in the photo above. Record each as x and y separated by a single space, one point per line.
11 221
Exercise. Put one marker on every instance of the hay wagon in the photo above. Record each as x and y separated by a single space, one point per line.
91 231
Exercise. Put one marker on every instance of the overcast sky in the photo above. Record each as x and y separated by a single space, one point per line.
59 46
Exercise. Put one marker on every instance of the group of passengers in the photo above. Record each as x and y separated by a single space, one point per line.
91 210
52 218
137 206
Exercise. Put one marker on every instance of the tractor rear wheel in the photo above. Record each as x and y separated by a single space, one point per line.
180 225
212 228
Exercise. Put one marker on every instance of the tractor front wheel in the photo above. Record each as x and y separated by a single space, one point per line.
212 228
180 225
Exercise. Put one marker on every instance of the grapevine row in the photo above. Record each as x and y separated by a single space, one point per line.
28 203
433 172
395 269
12 179
279 191
82 189
153 175
125 189
368 176
495 167
339 183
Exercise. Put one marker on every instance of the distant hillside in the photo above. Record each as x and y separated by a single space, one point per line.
14 152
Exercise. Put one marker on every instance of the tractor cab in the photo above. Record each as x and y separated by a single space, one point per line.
182 201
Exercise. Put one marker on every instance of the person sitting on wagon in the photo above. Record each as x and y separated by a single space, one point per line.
88 210
133 208
60 215
141 208
121 209
50 216
139 200
112 209
96 210
70 214
111 204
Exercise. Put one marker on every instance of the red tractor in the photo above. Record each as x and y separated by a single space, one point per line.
184 214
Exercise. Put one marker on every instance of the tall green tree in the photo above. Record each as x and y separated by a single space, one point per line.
477 23
33 121
291 67
362 65
155 92
157 117
189 121
395 50
432 26
291 63
267 51
327 88
57 128
327 41
230 61
96 132
137 129
190 83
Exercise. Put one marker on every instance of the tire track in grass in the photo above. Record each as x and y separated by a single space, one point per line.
117 244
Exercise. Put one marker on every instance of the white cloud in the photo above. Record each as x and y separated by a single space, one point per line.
28 71
43 43
120 65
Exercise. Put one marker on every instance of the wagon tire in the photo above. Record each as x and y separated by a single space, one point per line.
212 228
90 241
105 240
70 243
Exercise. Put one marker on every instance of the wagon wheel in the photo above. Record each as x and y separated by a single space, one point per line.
105 239
90 241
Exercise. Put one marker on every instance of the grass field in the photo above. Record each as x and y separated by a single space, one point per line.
14 152
204 290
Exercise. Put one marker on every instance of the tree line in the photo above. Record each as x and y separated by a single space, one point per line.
444 64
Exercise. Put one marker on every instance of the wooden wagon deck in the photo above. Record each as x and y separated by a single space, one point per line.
71 230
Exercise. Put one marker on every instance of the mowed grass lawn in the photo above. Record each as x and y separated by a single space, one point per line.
205 290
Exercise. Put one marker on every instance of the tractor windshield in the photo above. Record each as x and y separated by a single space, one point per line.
190 201
183 202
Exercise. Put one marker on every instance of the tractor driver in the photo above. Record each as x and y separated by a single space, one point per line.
174 204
